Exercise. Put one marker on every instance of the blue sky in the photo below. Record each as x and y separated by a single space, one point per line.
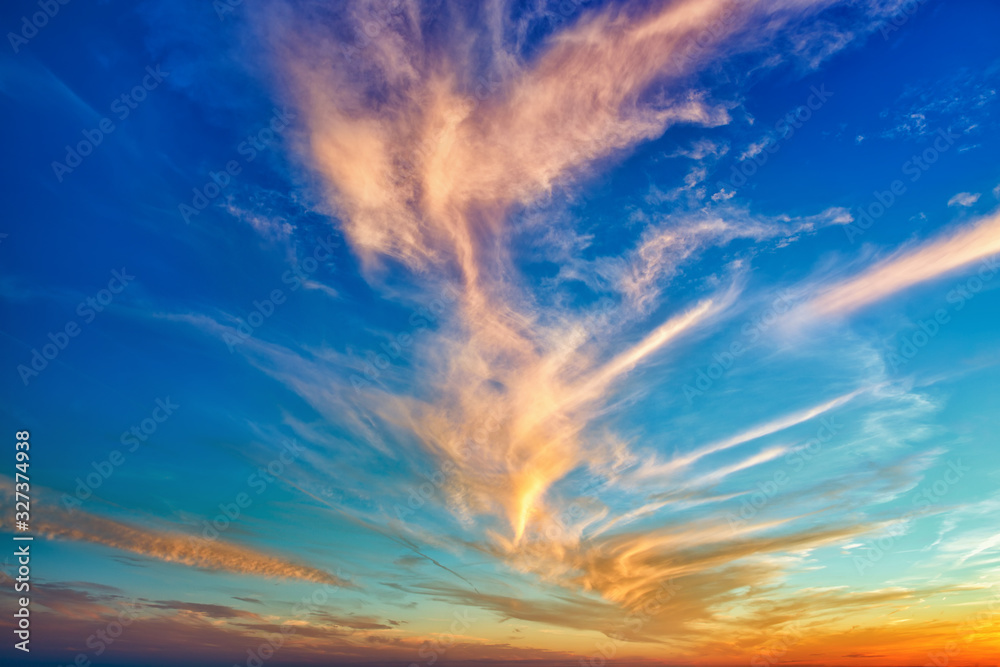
485 280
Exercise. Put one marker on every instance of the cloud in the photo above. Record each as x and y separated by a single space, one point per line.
701 149
170 547
960 103
423 157
964 199
182 632
940 256
216 611
676 239
507 403
275 229
426 175
353 622
653 469
755 148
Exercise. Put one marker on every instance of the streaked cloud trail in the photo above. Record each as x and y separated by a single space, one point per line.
754 433
935 258
170 547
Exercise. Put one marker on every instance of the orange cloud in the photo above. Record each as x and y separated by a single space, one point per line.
423 173
948 253
426 175
170 547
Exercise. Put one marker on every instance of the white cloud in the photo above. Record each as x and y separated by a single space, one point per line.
755 148
701 149
964 199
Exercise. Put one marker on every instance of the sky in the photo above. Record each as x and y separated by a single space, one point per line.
526 332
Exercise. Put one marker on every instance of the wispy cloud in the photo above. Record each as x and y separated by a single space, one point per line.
964 199
506 391
434 156
903 269
784 422
171 547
